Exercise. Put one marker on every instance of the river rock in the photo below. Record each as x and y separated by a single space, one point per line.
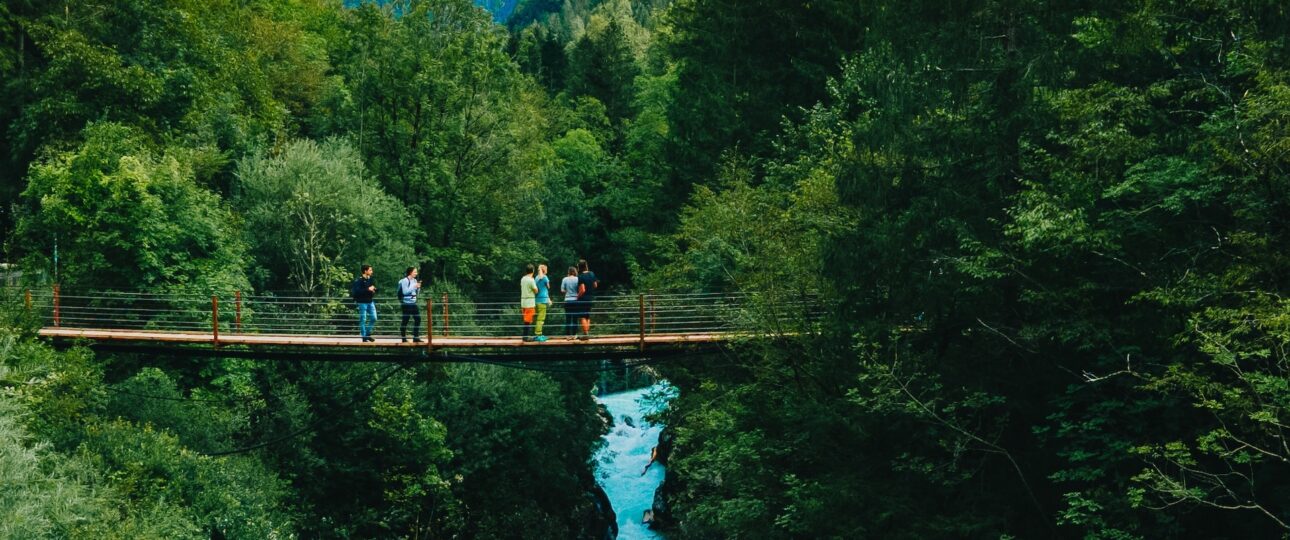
602 522
659 517
605 418
628 420
666 438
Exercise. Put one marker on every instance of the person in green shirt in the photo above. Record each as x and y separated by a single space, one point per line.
528 301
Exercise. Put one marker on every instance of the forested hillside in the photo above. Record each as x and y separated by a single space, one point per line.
1049 239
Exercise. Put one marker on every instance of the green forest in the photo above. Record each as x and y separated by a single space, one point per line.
1051 241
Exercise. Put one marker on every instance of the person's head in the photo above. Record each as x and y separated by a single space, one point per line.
411 272
528 269
541 269
582 265
573 271
367 270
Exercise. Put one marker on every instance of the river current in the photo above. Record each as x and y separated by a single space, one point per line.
626 452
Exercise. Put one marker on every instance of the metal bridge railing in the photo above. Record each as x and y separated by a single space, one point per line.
642 313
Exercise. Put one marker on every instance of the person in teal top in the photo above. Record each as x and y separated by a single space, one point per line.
542 299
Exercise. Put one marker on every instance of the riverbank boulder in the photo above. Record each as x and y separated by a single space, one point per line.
602 522
606 418
659 514
666 439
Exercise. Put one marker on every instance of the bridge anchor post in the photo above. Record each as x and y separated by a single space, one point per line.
56 317
429 325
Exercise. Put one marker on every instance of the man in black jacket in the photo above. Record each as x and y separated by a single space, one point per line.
362 291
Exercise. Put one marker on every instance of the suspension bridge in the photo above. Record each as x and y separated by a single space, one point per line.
266 324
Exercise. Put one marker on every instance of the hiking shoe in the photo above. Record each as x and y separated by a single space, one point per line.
417 340
405 340
539 339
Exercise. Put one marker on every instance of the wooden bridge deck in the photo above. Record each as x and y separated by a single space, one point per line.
293 327
386 342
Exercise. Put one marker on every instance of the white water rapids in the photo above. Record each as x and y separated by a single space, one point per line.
619 463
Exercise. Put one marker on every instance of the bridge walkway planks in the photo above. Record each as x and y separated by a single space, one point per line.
439 342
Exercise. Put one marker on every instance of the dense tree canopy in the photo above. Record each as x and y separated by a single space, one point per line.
1048 241
128 214
1055 307
312 214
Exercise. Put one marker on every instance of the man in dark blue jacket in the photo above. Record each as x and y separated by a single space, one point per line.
362 291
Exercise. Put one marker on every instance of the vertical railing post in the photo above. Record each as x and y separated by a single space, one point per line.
237 318
653 314
27 299
445 315
56 302
429 324
215 320
642 322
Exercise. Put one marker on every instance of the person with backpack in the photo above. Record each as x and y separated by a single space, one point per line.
587 285
569 286
362 291
407 291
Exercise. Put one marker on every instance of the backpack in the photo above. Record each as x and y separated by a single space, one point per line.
354 288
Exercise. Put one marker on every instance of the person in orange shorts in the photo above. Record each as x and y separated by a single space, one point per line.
528 301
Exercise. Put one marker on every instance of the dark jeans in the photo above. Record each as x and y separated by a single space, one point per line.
571 318
410 311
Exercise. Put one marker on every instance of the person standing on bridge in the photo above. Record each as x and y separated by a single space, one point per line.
569 286
363 291
528 301
587 285
543 300
408 288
